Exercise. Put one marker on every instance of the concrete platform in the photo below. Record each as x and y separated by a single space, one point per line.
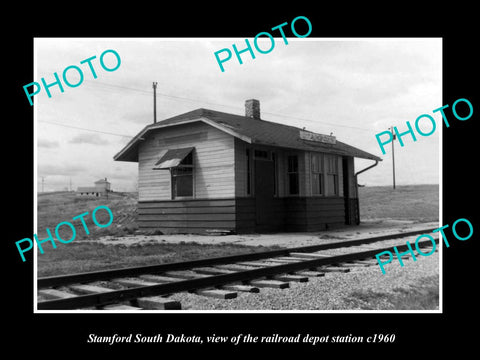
367 228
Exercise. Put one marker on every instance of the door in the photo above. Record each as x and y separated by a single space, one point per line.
352 210
264 191
346 192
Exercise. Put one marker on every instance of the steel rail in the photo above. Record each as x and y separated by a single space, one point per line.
61 280
113 296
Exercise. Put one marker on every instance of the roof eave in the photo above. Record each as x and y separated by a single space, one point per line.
360 154
126 155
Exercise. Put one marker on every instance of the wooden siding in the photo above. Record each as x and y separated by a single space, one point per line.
281 173
241 168
304 168
340 176
302 172
245 215
273 218
352 217
351 179
213 162
239 215
308 173
314 213
220 199
326 213
187 216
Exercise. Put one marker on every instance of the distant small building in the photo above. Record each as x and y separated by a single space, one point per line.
101 188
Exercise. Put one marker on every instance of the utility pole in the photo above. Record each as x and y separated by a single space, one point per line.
154 102
393 156
43 180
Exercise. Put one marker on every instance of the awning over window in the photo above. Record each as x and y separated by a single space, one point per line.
172 158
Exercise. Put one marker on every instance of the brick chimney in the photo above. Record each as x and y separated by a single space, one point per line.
252 109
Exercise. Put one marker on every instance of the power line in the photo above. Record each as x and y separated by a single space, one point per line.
318 122
80 128
148 93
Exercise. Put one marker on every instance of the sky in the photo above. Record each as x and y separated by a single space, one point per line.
353 88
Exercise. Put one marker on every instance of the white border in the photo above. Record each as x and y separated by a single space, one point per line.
35 177
36 311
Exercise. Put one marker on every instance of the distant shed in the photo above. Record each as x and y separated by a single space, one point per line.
101 188
207 169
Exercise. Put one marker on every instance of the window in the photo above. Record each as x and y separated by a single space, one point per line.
180 164
182 178
261 154
292 175
332 174
317 174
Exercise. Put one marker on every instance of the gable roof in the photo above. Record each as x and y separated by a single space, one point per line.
254 131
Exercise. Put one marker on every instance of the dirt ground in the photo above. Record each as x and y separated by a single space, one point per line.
368 228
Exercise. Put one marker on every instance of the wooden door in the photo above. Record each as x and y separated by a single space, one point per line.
351 202
264 191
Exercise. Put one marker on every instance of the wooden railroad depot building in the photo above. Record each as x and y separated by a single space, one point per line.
207 170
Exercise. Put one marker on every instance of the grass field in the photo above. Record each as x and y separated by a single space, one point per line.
423 296
85 256
53 208
417 203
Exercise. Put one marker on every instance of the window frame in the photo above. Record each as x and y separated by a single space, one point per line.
259 154
331 170
173 177
295 173
320 172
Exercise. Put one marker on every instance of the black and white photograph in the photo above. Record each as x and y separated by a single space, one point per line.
241 182
264 183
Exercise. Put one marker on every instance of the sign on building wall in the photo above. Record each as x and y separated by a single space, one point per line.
327 139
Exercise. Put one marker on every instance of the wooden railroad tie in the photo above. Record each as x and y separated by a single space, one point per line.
276 284
240 287
217 293
51 294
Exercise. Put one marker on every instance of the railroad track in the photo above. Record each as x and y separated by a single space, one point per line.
149 287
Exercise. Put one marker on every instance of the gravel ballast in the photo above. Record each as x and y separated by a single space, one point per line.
363 288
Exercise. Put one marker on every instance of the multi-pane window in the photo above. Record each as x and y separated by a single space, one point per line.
317 174
182 178
331 162
292 175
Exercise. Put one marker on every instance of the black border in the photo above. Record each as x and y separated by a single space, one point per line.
420 332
